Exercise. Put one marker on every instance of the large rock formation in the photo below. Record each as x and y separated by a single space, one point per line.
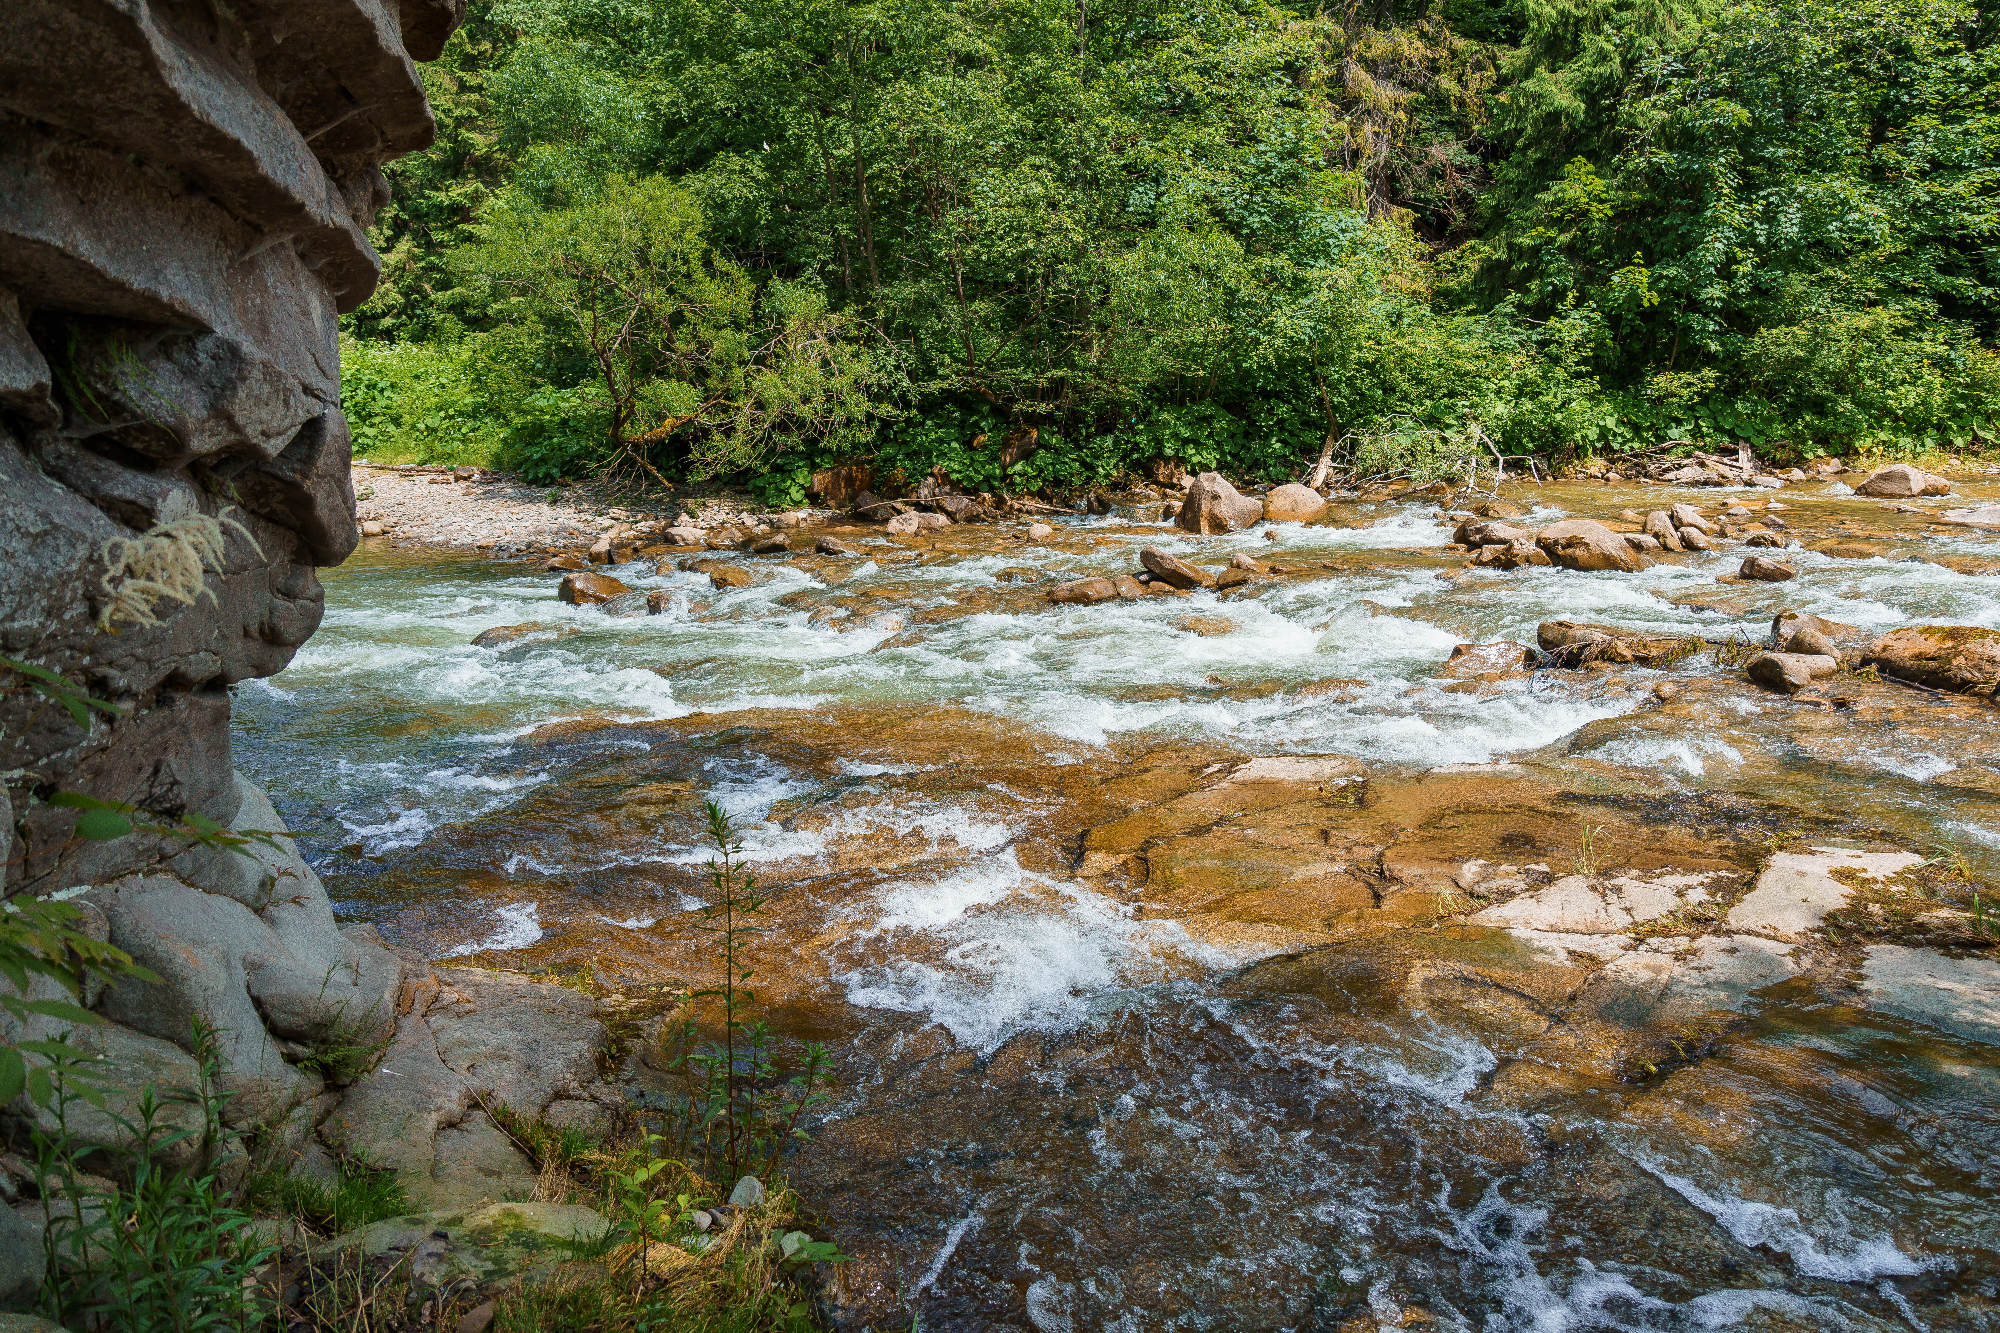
185 192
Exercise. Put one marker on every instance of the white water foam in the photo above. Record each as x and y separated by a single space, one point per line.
1046 962
407 829
520 926
1690 753
1753 1223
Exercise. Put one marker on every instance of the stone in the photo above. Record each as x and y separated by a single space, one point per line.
1694 539
1643 543
1960 658
1571 905
479 1318
749 1193
1317 769
20 1261
659 601
1787 623
1788 673
1083 592
1955 994
487 1248
1171 570
1900 481
1232 578
686 536
1811 643
1765 539
1129 588
834 546
1572 644
910 524
1214 506
371 528
723 577
1478 659
1242 561
1207 627
629 604
600 551
1984 516
775 544
1765 570
1293 503
1661 528
1488 532
583 588
1796 890
1584 544
1687 516
501 636
566 561
1040 532
1674 980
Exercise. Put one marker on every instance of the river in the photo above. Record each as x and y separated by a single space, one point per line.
1130 1037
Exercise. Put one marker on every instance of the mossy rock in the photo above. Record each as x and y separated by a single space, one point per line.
492 1247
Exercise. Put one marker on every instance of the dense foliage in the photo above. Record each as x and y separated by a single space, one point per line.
687 238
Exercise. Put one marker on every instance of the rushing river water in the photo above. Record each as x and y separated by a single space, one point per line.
1113 1052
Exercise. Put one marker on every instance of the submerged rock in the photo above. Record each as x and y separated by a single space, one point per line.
1084 592
729 576
834 546
1571 644
1477 659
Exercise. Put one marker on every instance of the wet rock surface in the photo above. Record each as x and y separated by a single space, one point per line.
1348 965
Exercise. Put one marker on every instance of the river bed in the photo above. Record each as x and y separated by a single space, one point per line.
1131 1035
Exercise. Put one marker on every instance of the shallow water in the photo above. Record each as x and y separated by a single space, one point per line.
1077 1094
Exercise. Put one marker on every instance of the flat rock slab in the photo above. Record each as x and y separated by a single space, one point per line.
1578 905
1960 995
497 1246
1797 889
1301 768
1670 980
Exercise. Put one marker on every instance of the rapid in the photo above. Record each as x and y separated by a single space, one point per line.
1132 1034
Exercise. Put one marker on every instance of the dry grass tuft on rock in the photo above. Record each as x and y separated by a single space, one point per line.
168 561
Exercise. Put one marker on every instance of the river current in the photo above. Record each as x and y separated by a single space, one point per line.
1113 1054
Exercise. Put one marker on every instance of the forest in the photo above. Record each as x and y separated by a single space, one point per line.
1030 245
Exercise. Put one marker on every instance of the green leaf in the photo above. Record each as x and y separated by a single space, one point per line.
62 1009
77 800
102 825
13 1074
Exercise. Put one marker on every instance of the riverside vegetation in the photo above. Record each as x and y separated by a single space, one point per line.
199 1226
1034 245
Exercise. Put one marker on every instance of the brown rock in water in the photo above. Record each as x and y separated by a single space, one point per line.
1482 659
1687 516
1900 481
1497 509
1765 539
1242 561
658 600
910 524
1696 540
775 544
1570 644
724 537
1812 643
1789 673
1765 570
1129 588
1208 627
581 589
834 546
1293 503
1961 658
729 576
1489 532
567 560
1643 543
1178 573
1084 592
502 635
1585 544
1660 527
1232 578
1213 505
1787 623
